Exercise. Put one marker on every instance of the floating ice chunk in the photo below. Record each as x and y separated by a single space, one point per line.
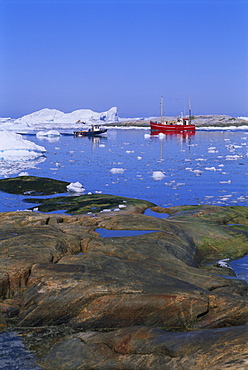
197 172
50 133
201 159
210 168
158 175
139 157
233 157
23 174
147 136
226 182
122 206
223 263
105 210
129 151
101 145
98 192
76 187
212 149
117 170
161 135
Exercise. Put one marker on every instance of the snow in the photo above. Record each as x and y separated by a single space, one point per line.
53 118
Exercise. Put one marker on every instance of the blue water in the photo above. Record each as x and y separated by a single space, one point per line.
205 168
13 355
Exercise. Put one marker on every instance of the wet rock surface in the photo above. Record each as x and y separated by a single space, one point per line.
143 302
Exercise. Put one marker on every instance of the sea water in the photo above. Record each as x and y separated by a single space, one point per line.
209 167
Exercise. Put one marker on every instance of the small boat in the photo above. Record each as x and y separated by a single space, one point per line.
173 126
93 131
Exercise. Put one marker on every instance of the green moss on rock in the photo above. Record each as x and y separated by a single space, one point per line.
33 185
83 204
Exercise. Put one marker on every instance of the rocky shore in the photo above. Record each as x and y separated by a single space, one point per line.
152 301
214 120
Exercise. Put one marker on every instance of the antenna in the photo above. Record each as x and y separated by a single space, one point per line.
161 107
190 114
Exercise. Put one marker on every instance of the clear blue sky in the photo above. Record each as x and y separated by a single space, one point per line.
78 54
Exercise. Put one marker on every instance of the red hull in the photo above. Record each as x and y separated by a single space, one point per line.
171 128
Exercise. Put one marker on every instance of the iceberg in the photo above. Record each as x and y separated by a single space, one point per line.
52 118
158 175
18 154
117 170
50 133
14 147
75 187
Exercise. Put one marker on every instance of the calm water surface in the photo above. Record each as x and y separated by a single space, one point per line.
205 168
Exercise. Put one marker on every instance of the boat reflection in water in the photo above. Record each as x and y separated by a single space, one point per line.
170 134
183 138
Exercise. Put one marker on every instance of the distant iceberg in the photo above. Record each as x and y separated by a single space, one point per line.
53 119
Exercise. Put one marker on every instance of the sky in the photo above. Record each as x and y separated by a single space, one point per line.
80 54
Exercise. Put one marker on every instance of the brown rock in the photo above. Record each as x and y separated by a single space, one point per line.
149 348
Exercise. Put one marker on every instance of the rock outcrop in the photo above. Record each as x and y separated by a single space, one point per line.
140 302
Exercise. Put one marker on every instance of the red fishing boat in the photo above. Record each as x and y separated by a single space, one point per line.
179 125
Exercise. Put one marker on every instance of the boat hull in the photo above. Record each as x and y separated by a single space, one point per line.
89 133
155 126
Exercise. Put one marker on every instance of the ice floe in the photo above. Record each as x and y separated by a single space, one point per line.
158 175
75 187
233 157
50 133
212 150
210 168
117 170
13 146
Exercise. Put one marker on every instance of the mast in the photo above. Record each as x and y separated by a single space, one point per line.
190 114
161 108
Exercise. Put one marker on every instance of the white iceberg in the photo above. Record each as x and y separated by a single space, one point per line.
117 170
158 175
14 147
50 133
53 118
210 168
75 187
